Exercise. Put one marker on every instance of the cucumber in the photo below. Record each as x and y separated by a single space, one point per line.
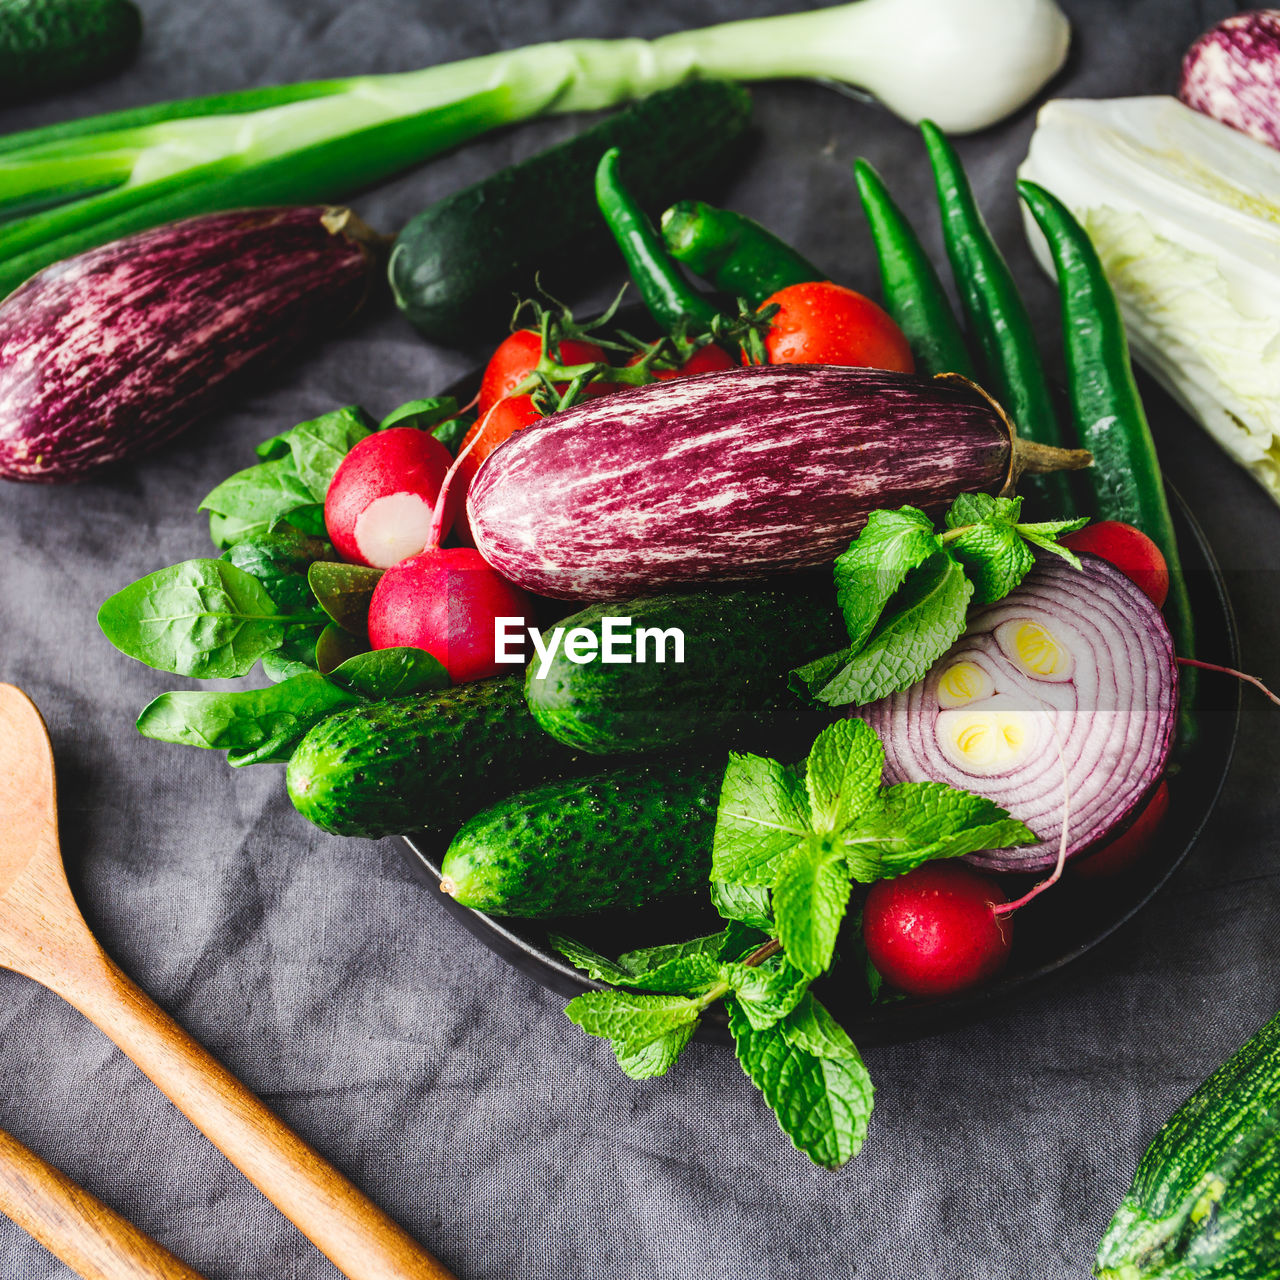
731 688
456 266
422 763
56 44
616 839
1205 1201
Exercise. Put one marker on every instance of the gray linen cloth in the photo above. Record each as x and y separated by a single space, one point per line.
446 1084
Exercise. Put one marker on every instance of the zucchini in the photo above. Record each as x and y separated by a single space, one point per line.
616 839
1205 1201
422 763
456 266
731 688
57 44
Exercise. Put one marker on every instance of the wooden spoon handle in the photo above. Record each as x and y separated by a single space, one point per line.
352 1232
76 1226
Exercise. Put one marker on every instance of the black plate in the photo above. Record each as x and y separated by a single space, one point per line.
1059 927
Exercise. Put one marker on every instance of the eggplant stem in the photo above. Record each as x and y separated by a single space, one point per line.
1026 457
1008 908
1229 671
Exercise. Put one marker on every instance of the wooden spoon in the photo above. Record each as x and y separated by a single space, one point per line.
75 1226
44 936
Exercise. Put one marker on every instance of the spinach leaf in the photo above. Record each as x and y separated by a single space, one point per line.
258 725
202 618
318 447
298 465
246 504
279 560
390 673
335 646
343 591
296 655
423 414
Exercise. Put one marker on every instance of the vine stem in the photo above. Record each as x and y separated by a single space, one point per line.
1229 671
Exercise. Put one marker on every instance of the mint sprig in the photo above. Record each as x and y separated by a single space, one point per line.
841 826
905 589
790 842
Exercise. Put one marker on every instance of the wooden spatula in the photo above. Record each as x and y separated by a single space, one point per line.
75 1226
44 936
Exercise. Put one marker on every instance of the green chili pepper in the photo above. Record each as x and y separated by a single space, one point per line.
672 301
913 294
996 315
733 252
1107 408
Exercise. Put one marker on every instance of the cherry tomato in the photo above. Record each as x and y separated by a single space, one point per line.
491 428
708 359
825 323
518 356
1130 550
1127 848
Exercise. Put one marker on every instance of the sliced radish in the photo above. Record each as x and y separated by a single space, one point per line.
380 502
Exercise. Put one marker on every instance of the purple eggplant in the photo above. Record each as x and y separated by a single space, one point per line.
1232 73
119 349
730 476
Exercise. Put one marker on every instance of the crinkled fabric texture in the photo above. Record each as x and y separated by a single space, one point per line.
446 1084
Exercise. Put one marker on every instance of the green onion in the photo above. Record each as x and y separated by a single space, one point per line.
67 187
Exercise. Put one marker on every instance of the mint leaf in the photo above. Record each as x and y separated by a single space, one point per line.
767 992
976 508
648 959
920 626
809 901
995 550
592 963
842 773
919 821
764 811
1045 537
748 904
995 557
877 563
822 1102
657 1057
631 1019
689 975
814 1030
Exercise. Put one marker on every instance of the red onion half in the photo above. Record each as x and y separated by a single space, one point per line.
1072 673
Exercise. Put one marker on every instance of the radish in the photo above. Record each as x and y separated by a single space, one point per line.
1128 848
446 601
1130 550
381 500
935 931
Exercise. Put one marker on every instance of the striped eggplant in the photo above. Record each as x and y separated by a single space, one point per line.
1205 1201
114 351
730 476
